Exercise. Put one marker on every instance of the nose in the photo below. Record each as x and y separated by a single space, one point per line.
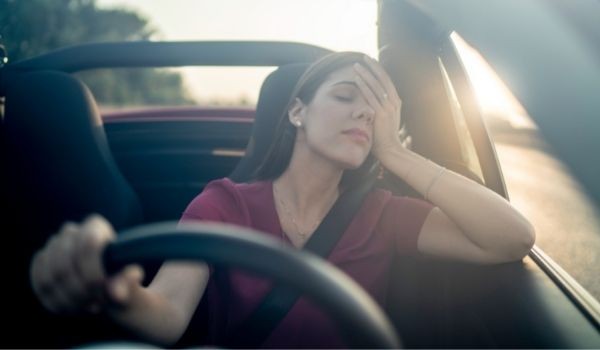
364 112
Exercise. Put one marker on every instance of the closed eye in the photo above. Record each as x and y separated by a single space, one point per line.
345 98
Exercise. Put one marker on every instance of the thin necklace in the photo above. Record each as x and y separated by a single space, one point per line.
289 214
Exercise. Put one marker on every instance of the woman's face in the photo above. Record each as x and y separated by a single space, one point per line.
338 123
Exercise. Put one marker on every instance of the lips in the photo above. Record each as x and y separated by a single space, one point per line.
357 134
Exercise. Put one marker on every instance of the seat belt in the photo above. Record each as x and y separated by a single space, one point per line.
260 324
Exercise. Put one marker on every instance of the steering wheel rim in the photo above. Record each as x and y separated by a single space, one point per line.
361 321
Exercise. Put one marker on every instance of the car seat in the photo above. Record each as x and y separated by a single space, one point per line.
59 154
273 98
57 166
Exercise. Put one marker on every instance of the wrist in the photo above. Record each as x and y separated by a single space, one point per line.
434 180
389 153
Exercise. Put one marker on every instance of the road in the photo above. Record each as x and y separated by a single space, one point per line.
567 223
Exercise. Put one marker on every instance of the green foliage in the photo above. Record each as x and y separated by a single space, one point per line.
32 27
144 86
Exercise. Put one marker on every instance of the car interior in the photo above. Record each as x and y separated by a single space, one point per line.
63 160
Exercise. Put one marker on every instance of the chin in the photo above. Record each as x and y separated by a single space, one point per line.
350 161
348 157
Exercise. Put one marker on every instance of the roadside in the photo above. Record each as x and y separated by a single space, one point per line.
567 222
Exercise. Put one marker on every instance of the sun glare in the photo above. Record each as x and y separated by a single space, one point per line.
495 99
354 29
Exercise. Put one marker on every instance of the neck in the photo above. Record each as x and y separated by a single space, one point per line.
310 183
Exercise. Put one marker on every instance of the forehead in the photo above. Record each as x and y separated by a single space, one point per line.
345 73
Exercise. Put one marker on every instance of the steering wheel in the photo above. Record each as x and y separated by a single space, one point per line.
361 321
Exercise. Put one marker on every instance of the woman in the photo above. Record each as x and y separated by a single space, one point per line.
342 117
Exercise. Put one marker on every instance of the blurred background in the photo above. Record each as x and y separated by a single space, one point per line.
566 220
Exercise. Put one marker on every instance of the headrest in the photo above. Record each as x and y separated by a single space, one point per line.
64 164
274 96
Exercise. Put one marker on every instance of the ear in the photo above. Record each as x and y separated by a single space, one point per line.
296 112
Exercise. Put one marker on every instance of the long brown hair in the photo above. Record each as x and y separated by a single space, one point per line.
279 154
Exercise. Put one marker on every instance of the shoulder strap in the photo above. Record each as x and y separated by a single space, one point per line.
258 326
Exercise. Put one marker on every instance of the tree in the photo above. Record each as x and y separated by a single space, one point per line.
29 28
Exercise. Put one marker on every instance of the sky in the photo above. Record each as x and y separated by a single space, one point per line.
354 29
310 21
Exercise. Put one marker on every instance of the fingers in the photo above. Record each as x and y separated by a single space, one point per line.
368 94
65 272
51 266
372 92
373 85
41 281
383 78
379 92
67 275
119 288
96 233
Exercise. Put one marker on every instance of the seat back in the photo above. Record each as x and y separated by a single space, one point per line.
56 166
273 98
60 162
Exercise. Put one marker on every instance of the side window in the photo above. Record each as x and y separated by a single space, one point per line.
541 187
478 155
467 146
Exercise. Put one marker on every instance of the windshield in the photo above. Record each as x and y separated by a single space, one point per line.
306 21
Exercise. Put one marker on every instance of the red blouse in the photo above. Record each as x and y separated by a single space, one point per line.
385 225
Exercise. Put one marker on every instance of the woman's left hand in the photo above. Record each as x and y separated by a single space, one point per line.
379 92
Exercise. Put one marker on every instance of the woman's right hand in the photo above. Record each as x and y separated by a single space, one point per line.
67 274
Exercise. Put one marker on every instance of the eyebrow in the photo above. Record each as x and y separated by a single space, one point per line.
346 82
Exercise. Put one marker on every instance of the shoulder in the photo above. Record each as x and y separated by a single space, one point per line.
211 203
401 220
406 210
223 200
389 206
216 192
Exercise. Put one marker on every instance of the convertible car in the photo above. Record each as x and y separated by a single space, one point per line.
62 159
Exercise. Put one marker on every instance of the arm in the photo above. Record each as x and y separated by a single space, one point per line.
470 222
67 277
162 312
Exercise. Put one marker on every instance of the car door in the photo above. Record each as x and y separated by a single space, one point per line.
434 303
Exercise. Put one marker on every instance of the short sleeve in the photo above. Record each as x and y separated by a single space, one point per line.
402 220
215 203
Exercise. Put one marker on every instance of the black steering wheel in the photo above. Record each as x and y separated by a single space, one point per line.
361 321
